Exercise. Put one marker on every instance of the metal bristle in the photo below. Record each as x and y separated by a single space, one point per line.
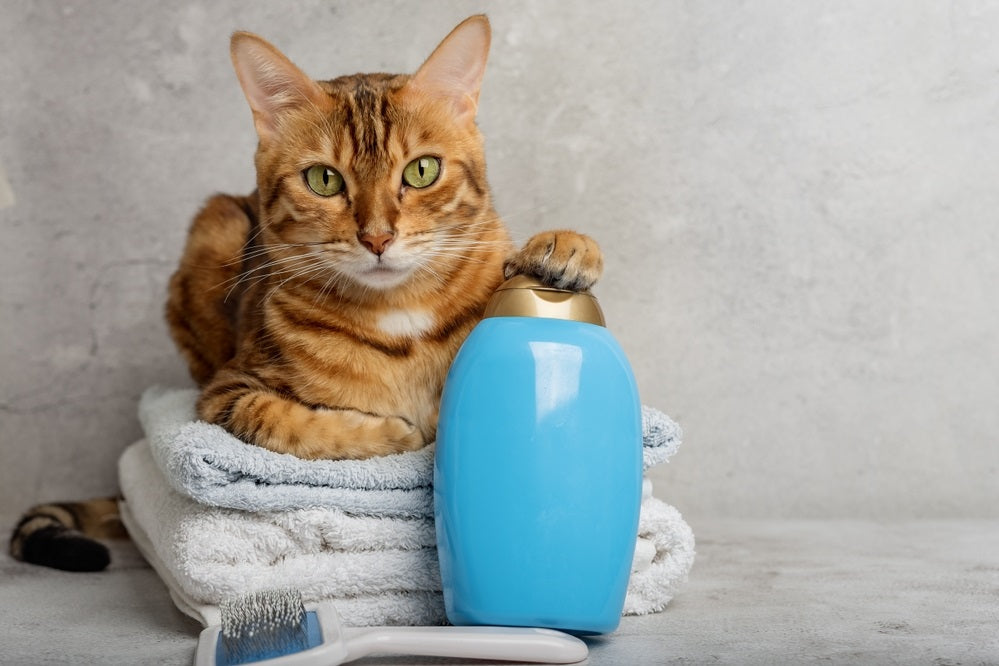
263 625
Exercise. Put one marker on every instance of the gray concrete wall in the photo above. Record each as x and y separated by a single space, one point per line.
797 202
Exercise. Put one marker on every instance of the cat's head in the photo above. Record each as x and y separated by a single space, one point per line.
377 179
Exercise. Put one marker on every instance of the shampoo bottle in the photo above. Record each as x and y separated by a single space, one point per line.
538 469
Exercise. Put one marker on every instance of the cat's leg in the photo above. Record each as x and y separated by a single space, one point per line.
245 407
562 259
202 294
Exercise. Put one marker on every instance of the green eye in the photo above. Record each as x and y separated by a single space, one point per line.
324 180
422 171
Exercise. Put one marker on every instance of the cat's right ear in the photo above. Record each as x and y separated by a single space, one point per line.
272 83
454 70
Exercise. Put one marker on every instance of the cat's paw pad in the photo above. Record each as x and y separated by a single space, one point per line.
560 259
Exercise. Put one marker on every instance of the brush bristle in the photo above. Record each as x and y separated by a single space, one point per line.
263 625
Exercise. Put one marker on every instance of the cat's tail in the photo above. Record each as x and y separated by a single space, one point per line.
63 535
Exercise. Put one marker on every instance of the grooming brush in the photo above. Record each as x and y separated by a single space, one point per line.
277 628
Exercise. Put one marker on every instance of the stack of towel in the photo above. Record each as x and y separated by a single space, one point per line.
217 518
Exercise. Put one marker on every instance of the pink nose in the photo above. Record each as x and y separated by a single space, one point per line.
377 243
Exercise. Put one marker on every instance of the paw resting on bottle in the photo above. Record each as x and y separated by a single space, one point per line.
560 259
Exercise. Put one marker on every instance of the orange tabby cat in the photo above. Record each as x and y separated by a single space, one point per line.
319 314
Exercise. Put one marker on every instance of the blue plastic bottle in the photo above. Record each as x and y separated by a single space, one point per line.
538 470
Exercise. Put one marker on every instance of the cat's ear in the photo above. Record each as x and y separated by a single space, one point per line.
272 83
454 70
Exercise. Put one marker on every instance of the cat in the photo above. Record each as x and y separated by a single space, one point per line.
319 314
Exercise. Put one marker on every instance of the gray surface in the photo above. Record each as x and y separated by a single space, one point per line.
797 201
760 593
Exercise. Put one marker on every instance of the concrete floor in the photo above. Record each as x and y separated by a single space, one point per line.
759 593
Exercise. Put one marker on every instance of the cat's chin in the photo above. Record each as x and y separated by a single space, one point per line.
382 277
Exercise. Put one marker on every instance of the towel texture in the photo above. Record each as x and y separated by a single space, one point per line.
218 518
387 608
206 463
663 556
660 437
378 570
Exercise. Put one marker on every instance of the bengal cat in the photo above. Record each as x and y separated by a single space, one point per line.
320 313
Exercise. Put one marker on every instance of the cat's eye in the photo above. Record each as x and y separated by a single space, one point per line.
422 171
323 180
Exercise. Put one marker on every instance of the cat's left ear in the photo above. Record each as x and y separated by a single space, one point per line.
454 70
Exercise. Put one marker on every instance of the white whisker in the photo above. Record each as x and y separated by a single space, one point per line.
264 267
295 263
302 273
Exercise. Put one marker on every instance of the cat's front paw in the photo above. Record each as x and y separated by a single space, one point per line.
560 259
401 435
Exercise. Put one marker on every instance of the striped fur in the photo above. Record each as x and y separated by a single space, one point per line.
56 534
275 306
271 305
303 338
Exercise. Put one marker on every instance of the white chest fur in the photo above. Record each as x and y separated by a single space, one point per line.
406 323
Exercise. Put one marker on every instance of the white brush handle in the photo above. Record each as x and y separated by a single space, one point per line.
502 643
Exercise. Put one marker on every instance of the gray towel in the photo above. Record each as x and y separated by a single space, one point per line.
209 465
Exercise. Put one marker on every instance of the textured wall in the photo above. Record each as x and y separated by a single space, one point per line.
797 201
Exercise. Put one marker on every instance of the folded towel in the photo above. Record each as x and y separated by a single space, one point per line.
661 437
378 570
206 554
208 464
387 608
663 534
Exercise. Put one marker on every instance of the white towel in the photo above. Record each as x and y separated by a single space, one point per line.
378 570
389 608
666 544
208 464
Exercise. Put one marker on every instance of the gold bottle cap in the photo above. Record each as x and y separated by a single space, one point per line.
523 296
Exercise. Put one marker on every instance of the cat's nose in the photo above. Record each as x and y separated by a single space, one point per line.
377 243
